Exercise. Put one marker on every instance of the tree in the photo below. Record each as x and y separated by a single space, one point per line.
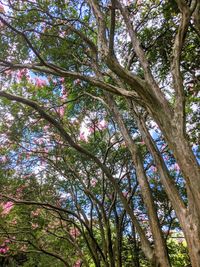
112 52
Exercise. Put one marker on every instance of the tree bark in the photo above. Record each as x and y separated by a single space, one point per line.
192 236
187 215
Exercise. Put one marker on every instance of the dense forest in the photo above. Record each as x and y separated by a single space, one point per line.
99 133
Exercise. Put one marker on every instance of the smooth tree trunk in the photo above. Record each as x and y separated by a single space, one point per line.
187 216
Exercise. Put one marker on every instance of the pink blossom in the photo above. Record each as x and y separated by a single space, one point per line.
102 125
3 159
7 207
176 167
93 182
77 81
83 136
125 194
64 97
14 222
40 82
35 213
61 111
46 127
40 141
74 232
62 79
8 72
21 73
91 129
34 226
4 250
77 263
153 169
61 201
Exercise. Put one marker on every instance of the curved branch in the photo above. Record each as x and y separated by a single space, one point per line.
57 71
145 242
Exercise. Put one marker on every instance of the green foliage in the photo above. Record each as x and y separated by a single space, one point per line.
65 208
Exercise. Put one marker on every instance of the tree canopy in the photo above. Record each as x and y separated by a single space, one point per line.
99 131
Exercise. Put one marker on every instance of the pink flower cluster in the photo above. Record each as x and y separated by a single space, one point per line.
74 232
62 79
77 81
21 73
93 182
176 167
36 212
83 136
87 131
40 82
8 72
61 111
4 250
34 226
77 263
4 247
7 207
13 222
102 125
3 159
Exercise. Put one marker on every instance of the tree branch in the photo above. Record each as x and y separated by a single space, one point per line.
146 244
175 67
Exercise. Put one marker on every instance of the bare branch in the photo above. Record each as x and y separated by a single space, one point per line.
175 67
141 55
112 27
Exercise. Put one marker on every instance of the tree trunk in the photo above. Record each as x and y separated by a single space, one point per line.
192 235
161 254
135 260
188 218
188 166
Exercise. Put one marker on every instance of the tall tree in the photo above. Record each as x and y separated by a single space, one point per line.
136 58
